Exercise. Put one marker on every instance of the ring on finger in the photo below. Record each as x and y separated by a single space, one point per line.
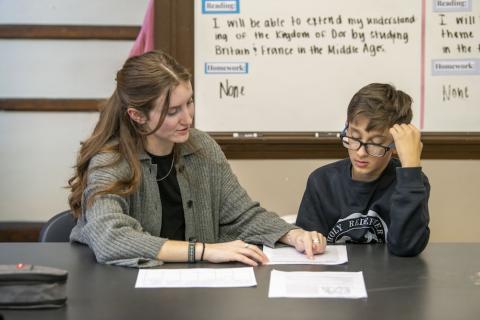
316 240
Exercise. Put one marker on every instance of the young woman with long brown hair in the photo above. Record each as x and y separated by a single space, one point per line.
149 189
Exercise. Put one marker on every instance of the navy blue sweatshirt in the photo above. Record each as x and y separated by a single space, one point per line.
391 209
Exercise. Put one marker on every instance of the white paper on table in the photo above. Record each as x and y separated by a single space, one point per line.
199 277
287 255
317 285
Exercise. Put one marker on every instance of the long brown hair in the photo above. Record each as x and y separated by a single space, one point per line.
140 82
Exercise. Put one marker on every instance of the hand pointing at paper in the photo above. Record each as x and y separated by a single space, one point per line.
309 242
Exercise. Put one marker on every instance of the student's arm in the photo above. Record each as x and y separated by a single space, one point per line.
409 217
242 218
310 214
310 243
177 251
107 228
116 238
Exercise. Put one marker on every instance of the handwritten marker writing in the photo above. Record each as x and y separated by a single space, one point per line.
245 135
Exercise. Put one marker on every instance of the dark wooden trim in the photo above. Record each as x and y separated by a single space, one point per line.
68 32
20 231
37 104
163 25
174 30
279 146
183 30
451 145
455 145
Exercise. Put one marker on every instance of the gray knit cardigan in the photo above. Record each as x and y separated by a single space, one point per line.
125 230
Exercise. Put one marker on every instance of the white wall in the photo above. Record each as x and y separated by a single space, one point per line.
61 68
38 149
74 12
64 68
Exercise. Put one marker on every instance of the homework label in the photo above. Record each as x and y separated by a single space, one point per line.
456 67
226 67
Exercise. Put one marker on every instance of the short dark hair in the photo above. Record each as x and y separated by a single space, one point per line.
382 104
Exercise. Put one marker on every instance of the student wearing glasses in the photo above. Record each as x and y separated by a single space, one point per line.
372 197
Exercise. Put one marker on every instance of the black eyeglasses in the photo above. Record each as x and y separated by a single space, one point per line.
373 149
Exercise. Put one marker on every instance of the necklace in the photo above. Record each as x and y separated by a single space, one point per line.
169 171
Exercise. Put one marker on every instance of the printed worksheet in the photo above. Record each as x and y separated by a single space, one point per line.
201 277
288 255
317 285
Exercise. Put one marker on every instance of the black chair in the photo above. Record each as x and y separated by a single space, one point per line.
58 228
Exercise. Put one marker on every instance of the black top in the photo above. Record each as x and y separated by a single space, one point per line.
173 219
391 209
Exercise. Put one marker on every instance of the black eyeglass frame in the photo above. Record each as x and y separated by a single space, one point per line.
343 134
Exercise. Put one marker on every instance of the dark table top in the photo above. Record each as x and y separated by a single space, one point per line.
441 283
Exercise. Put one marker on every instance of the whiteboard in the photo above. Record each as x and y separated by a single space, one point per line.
293 66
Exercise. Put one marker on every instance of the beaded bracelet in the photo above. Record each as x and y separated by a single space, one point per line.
191 250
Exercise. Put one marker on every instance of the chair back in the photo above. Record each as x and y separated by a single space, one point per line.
58 228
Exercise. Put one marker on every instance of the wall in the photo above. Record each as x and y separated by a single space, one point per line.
37 154
37 150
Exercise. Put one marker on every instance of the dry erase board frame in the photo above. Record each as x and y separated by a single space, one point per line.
174 33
